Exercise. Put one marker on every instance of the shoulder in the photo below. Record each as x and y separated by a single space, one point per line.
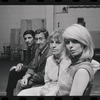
86 68
49 53
82 76
50 58
82 72
81 79
49 63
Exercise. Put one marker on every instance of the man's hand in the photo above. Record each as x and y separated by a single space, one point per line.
14 67
24 81
17 68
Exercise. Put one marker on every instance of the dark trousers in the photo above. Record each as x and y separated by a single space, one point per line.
12 80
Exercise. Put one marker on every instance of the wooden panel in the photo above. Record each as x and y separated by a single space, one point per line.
26 24
38 23
96 38
15 37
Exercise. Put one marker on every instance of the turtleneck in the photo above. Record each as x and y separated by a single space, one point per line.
77 59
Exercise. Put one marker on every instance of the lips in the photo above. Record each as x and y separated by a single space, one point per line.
28 43
72 51
53 50
39 45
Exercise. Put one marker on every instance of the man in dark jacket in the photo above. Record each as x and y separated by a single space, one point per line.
35 73
17 72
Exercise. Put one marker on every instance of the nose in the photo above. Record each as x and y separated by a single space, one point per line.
27 40
53 45
38 41
71 44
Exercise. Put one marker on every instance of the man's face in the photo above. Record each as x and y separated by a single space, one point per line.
28 38
40 40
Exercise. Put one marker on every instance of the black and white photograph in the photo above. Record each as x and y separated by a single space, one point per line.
49 50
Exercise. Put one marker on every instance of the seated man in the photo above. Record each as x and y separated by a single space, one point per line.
16 72
35 72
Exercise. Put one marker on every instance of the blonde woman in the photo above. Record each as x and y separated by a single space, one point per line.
78 77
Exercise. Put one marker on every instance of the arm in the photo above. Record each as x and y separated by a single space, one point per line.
24 80
38 77
45 88
30 72
46 76
31 68
80 82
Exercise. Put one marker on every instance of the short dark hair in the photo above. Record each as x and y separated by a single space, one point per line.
44 31
29 32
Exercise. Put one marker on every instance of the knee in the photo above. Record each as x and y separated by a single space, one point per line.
19 82
12 74
18 86
12 71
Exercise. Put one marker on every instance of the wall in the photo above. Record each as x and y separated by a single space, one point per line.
50 18
10 17
90 15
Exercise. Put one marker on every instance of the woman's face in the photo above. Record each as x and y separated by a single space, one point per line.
56 46
74 47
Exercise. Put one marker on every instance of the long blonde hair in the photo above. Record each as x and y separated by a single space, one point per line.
81 34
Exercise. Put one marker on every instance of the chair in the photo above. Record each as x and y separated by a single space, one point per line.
91 88
97 54
6 53
96 84
16 53
87 90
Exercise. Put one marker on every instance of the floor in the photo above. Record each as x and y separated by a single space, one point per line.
4 72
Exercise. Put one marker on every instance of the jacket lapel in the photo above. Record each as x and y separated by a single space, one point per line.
36 58
33 49
44 55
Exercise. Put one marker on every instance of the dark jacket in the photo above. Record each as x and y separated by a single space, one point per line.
30 54
37 67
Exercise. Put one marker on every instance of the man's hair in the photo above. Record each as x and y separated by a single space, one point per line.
29 32
44 31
